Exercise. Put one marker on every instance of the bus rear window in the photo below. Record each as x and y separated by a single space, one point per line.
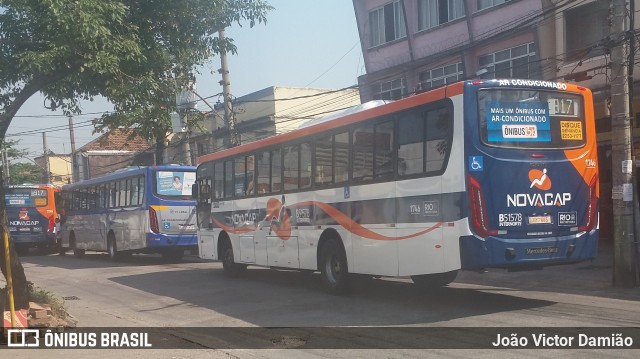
26 197
516 118
174 183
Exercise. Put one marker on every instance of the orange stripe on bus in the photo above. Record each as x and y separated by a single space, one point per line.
283 228
579 157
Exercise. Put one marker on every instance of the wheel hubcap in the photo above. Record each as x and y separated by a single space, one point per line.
333 269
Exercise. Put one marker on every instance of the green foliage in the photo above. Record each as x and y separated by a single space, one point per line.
25 173
125 50
20 172
41 296
13 152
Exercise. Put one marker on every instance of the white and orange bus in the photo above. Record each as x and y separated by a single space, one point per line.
476 174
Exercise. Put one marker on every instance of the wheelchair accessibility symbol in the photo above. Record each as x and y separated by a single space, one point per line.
476 164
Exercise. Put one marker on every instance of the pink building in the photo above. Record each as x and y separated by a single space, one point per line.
410 45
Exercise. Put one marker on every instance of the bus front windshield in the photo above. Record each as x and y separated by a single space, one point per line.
535 119
26 197
174 184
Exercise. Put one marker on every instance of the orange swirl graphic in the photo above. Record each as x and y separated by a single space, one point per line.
282 225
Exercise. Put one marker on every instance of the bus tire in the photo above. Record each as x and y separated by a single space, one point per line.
22 250
231 268
334 269
78 253
61 249
436 280
112 248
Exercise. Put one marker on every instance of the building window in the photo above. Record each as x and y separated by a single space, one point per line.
388 90
441 76
202 149
387 24
432 13
483 4
585 42
516 62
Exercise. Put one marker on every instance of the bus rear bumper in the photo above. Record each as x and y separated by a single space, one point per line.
33 240
526 253
185 241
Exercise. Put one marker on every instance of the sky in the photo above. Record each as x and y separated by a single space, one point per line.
305 43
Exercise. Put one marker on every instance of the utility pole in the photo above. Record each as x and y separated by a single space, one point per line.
185 101
73 150
229 120
186 145
623 226
47 172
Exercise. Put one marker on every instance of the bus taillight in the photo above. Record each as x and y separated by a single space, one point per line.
153 220
479 219
591 206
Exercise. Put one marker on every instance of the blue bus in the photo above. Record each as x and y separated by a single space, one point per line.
134 210
472 175
32 215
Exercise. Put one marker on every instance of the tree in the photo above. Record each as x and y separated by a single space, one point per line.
124 50
20 172
177 54
23 172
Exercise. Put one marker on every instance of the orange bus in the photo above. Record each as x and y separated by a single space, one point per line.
32 215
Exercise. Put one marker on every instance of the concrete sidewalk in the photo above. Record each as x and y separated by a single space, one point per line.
589 278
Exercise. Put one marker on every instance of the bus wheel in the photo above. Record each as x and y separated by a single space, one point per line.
61 249
430 281
333 267
112 248
72 243
231 268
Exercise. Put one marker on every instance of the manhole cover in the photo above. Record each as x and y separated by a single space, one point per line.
72 297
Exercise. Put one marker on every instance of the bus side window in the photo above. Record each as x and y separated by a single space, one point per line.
291 167
410 144
135 191
240 176
218 180
305 165
324 161
341 157
104 196
204 192
383 149
276 171
250 175
264 172
228 179
439 124
363 153
113 195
